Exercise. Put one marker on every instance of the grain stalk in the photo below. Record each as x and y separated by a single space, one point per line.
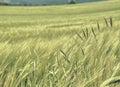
106 22
79 36
110 81
98 26
65 56
93 32
111 21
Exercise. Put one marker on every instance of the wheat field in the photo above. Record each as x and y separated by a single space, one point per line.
60 46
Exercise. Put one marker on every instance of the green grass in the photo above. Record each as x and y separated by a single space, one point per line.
60 46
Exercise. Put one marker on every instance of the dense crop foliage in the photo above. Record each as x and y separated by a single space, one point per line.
60 46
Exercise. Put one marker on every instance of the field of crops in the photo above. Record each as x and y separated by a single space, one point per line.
60 46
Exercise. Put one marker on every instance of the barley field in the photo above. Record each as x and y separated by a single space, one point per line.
60 46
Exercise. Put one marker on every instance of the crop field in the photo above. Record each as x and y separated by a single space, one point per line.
60 46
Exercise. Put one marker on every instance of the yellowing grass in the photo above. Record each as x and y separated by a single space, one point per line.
60 46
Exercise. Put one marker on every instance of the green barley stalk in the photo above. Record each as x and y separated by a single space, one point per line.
87 34
111 22
98 26
110 81
79 36
84 34
82 51
93 32
106 22
65 56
